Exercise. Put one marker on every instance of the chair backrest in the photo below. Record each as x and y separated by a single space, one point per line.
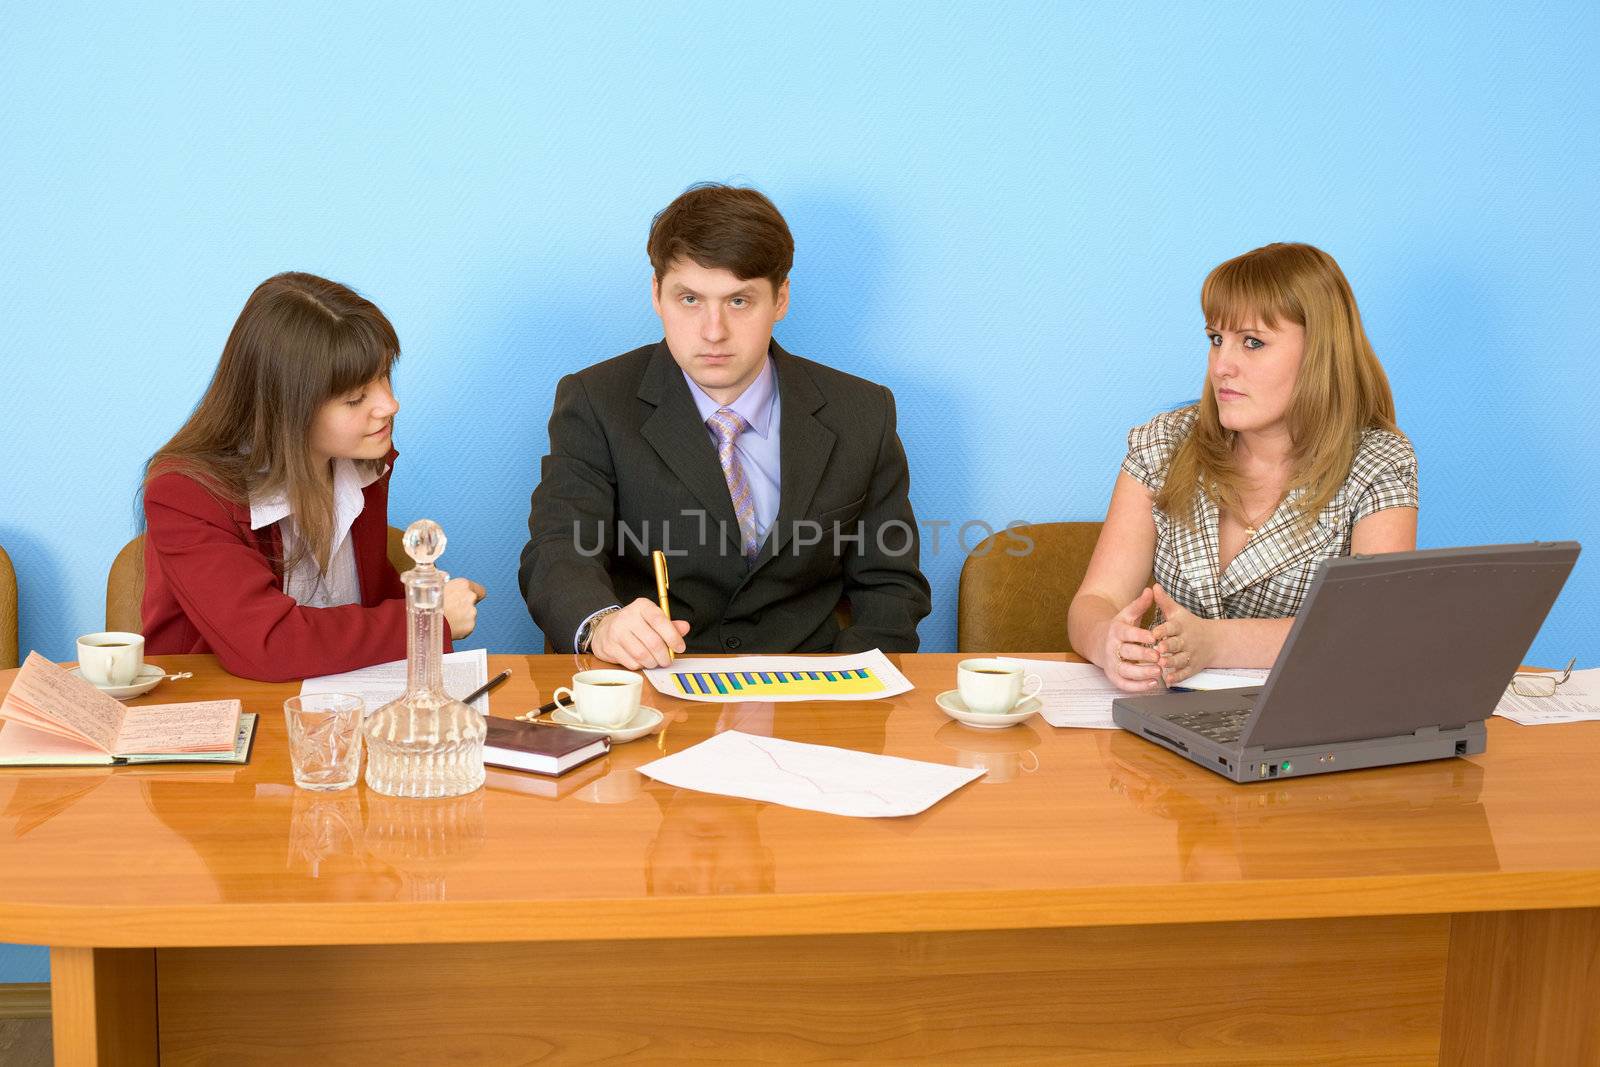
125 589
399 559
8 612
1012 601
125 583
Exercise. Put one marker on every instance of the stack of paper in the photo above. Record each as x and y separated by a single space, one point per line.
1074 694
377 685
1577 700
1080 695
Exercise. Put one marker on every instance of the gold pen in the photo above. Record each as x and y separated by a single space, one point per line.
659 558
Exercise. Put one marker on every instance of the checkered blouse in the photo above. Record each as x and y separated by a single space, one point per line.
1271 575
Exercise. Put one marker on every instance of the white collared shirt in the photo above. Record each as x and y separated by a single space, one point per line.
305 583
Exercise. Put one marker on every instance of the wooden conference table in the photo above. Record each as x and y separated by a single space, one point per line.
1092 897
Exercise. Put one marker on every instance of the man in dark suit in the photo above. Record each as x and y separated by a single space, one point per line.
776 486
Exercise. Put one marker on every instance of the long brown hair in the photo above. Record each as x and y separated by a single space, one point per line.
1340 391
300 341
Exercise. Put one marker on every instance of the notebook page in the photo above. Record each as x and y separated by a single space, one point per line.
203 726
47 698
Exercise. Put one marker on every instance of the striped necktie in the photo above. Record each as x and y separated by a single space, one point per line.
728 425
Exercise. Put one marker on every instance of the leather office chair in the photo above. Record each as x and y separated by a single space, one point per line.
8 612
125 589
125 583
1018 603
398 558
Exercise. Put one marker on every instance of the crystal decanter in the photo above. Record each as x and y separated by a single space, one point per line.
424 744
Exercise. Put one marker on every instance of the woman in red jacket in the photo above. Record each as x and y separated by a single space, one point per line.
267 515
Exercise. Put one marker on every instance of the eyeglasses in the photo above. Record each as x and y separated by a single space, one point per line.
1542 684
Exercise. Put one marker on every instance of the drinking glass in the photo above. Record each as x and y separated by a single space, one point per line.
325 739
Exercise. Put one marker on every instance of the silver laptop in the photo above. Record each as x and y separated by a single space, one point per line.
1393 658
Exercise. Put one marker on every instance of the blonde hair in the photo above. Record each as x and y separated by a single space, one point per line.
1340 390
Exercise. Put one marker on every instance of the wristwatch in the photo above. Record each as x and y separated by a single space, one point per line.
586 631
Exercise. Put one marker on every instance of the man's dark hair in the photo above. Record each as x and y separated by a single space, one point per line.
723 227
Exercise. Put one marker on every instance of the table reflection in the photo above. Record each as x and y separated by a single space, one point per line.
40 796
707 844
424 839
1003 755
1333 823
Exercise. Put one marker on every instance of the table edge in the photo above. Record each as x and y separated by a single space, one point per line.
678 918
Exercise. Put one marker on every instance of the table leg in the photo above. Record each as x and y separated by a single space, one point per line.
1523 987
103 1006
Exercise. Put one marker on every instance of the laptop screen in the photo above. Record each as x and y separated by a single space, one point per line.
1390 644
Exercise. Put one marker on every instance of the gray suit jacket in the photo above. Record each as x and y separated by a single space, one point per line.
631 468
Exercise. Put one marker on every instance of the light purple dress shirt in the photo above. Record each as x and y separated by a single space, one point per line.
757 447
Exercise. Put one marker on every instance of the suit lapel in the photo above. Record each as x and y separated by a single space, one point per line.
804 447
1282 543
675 431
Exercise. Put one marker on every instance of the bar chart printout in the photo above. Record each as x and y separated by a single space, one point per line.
860 676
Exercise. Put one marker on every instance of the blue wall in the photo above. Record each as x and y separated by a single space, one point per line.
1003 213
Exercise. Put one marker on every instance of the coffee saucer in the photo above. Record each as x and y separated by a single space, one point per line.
644 721
148 678
951 704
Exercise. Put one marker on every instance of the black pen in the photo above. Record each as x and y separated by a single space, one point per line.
486 686
543 709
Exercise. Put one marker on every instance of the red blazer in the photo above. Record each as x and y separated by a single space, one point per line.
209 586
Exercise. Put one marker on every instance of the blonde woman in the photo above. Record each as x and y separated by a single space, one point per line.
1228 505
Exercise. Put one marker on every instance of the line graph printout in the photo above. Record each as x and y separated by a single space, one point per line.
726 679
838 781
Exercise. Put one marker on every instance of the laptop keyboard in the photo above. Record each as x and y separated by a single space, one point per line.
1223 727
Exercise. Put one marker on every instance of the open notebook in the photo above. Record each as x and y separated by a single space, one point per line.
52 718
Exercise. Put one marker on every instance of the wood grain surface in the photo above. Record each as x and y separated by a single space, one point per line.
1229 993
1069 827
1090 899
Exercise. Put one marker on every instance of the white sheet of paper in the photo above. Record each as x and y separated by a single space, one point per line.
1577 700
837 781
377 685
874 661
1079 695
1074 695
1226 678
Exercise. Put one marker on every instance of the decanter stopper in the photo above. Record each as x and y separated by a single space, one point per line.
424 542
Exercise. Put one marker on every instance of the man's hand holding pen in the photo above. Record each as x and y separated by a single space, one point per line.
638 636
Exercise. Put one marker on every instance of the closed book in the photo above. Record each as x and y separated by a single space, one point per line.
523 746
545 786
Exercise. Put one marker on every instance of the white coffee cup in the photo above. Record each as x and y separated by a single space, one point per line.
111 657
605 698
992 686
